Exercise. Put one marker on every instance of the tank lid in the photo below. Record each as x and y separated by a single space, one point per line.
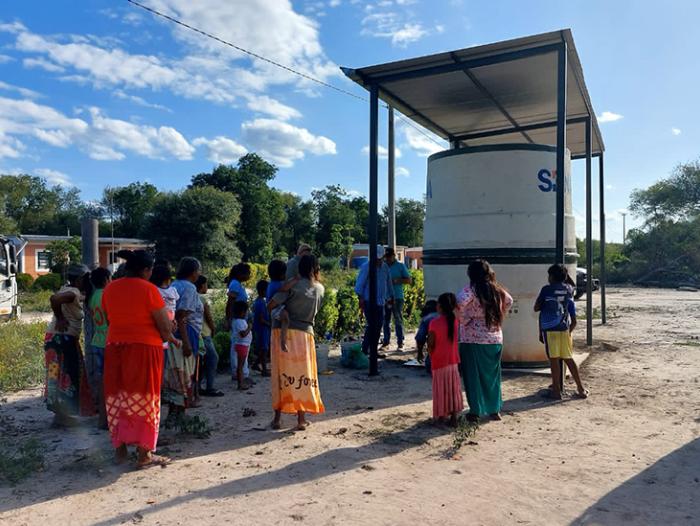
494 148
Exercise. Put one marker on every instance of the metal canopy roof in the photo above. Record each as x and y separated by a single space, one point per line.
498 93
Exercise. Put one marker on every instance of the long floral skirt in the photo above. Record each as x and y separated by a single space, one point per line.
294 374
177 377
132 381
447 391
66 389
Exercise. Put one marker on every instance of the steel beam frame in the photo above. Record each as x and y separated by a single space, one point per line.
589 236
603 278
370 309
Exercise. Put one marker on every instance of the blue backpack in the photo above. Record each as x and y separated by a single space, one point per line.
554 316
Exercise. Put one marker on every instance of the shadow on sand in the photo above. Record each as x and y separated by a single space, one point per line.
668 492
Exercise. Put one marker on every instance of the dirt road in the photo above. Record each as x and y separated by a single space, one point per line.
628 455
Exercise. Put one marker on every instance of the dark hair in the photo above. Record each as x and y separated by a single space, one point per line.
239 309
558 273
448 303
237 272
136 261
389 252
308 266
99 277
201 281
277 270
430 307
488 291
160 274
187 267
261 287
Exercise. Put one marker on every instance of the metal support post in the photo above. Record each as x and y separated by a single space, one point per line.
561 167
589 237
601 188
391 183
371 307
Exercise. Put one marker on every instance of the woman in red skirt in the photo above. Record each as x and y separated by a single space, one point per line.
133 369
444 360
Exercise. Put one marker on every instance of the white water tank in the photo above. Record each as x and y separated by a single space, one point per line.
497 203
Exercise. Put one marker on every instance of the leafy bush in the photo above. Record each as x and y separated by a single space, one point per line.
222 344
414 299
19 459
327 317
36 300
349 319
329 264
51 281
24 282
21 355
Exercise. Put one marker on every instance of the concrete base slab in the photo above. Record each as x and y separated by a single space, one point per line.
579 358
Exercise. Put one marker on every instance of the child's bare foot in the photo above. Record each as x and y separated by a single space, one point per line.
582 394
301 426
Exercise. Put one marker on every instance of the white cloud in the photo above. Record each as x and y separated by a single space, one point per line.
283 143
30 94
41 63
382 152
334 3
272 107
221 150
421 144
4 59
54 176
676 131
609 116
156 143
139 101
393 26
103 138
402 172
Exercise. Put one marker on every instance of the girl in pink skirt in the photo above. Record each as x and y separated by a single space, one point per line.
443 347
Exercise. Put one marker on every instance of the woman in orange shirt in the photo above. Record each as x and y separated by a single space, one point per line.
133 368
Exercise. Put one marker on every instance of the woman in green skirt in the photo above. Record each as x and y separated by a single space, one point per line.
482 306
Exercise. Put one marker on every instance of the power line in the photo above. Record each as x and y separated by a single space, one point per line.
273 62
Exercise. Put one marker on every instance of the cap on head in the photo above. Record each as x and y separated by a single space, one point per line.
77 270
389 252
303 249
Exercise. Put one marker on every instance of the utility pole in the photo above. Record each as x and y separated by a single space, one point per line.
391 186
624 228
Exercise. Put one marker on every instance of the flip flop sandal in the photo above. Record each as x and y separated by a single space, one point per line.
155 460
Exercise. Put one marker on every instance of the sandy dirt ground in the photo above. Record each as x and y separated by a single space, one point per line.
630 454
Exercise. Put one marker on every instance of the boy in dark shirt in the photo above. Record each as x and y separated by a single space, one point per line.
557 321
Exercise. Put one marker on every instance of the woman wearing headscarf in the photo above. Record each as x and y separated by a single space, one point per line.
66 389
295 387
133 369
482 307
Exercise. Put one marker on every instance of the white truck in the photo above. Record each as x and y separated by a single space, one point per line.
9 306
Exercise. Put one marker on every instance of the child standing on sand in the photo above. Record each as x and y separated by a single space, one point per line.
277 271
261 327
443 348
557 321
428 313
241 337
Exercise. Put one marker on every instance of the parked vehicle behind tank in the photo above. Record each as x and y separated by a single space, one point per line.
9 307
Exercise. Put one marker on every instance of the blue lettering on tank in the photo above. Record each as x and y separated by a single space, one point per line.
545 178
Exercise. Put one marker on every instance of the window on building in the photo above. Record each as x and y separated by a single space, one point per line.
43 260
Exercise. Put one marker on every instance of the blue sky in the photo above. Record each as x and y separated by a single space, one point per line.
97 93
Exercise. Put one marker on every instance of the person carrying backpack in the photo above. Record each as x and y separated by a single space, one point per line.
555 304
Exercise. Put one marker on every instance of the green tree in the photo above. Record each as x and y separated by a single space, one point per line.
299 224
334 206
37 208
63 252
262 212
676 197
130 206
199 222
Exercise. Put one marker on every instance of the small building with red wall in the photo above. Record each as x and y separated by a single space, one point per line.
35 259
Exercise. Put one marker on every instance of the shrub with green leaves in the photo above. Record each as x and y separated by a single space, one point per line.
51 281
21 355
24 282
327 316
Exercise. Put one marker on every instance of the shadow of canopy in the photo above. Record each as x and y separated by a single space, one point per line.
668 492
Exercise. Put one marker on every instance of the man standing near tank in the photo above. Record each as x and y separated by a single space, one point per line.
385 296
399 278
293 264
